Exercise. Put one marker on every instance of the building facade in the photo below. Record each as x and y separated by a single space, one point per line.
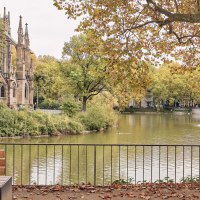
16 66
146 102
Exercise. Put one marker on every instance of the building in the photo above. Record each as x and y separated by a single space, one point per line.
16 66
146 102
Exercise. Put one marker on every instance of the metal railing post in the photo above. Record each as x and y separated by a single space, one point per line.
107 162
95 163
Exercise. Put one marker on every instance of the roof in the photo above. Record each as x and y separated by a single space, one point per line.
11 39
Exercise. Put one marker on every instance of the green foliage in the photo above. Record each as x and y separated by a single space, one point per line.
49 82
122 181
50 104
84 69
25 123
70 108
74 127
190 179
173 83
97 117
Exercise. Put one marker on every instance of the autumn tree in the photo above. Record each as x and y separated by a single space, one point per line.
51 88
144 29
170 82
84 69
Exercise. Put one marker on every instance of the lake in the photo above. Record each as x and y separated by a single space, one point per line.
42 164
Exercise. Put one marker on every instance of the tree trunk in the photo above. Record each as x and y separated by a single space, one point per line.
84 103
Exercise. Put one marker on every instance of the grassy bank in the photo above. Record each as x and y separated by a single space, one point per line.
35 123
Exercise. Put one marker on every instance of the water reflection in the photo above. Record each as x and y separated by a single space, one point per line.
75 164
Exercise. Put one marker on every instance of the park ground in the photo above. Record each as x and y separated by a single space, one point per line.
115 192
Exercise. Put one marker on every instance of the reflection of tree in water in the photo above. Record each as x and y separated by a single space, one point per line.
75 164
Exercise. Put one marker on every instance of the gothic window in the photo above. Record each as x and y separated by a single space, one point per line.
26 91
2 91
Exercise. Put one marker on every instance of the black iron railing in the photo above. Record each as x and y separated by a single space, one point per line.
100 164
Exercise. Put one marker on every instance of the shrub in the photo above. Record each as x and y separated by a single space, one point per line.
50 104
97 117
70 108
24 123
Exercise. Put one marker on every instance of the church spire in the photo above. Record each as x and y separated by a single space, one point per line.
20 31
4 14
9 18
26 37
9 29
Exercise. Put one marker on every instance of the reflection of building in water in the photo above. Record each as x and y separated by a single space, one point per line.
146 102
16 69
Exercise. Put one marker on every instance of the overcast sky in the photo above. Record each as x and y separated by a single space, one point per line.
49 28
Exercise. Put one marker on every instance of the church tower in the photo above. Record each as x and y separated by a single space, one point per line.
24 71
16 82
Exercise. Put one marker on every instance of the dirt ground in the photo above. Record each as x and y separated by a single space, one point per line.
114 192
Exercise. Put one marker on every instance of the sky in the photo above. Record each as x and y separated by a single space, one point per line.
48 27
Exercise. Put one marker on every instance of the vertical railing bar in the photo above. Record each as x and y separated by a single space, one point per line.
119 162
175 164
62 167
86 149
167 164
78 164
199 166
135 164
191 161
29 164
151 163
38 164
21 163
46 164
103 163
5 159
183 163
95 165
70 159
13 164
127 164
159 165
54 164
143 164
111 164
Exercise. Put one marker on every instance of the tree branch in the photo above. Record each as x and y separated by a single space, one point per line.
176 5
174 17
97 92
97 83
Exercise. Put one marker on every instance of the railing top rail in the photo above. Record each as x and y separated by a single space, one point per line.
81 144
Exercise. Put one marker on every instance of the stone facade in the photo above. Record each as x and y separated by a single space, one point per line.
146 102
16 80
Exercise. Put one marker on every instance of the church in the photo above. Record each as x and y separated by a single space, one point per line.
16 66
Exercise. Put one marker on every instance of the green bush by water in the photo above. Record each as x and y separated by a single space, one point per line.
24 123
97 117
36 123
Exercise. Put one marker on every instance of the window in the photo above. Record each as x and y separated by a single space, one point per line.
2 91
26 91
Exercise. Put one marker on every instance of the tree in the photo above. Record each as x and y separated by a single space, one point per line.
51 88
169 82
84 70
145 29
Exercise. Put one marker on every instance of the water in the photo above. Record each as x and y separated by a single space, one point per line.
67 165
